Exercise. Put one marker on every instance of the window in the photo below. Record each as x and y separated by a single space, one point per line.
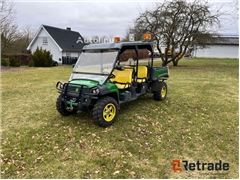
45 41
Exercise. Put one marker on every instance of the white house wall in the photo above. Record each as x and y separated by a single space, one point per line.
73 54
218 51
43 33
51 46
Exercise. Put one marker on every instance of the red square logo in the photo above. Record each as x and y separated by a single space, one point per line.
176 163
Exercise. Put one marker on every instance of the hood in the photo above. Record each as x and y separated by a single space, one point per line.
89 83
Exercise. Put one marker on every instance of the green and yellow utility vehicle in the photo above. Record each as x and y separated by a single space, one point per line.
100 82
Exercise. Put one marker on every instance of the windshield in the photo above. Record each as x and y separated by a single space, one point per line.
94 65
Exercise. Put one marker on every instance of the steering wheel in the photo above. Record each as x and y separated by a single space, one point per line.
119 67
112 76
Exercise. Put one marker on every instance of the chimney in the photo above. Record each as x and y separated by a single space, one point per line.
68 28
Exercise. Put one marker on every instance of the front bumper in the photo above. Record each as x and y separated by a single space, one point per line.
76 96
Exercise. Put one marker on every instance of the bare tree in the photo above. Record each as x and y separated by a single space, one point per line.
7 11
9 29
28 33
235 12
25 35
177 25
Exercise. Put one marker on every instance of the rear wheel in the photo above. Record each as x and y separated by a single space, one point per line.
105 111
62 109
161 94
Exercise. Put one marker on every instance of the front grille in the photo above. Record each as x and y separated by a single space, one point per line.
85 90
76 90
71 88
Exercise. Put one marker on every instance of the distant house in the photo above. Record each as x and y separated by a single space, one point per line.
64 44
226 47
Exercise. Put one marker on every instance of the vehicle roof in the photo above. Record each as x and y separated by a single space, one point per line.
119 45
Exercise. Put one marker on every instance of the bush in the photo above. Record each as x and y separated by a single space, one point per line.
42 58
23 59
14 62
31 63
5 62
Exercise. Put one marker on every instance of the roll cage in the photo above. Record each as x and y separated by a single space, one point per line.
122 47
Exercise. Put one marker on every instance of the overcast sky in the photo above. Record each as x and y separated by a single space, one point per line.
94 18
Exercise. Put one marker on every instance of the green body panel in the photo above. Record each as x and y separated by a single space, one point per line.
160 72
112 87
88 83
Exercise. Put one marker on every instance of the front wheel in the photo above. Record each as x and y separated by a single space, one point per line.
62 109
161 94
105 111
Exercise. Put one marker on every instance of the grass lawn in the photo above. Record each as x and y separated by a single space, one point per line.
197 121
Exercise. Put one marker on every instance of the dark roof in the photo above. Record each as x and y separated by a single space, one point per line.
119 45
66 39
226 41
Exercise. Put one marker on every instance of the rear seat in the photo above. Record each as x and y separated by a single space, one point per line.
142 74
123 79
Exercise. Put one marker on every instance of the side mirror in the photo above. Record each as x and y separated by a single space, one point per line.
73 65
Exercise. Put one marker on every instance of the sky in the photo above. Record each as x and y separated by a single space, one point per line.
89 18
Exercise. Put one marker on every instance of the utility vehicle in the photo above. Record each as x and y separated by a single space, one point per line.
100 82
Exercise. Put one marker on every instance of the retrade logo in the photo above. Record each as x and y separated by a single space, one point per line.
199 166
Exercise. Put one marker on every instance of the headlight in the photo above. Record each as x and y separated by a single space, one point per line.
95 91
61 86
73 99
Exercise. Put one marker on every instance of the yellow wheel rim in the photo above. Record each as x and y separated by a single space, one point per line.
109 112
163 91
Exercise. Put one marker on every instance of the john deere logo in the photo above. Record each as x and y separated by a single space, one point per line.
76 89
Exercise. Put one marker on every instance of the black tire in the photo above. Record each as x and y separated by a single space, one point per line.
105 111
55 63
161 94
60 105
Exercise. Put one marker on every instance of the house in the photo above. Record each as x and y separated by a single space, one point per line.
225 47
65 45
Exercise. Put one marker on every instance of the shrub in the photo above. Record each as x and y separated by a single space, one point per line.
5 62
42 58
14 62
23 59
31 63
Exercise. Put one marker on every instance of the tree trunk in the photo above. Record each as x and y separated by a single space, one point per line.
164 63
175 63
